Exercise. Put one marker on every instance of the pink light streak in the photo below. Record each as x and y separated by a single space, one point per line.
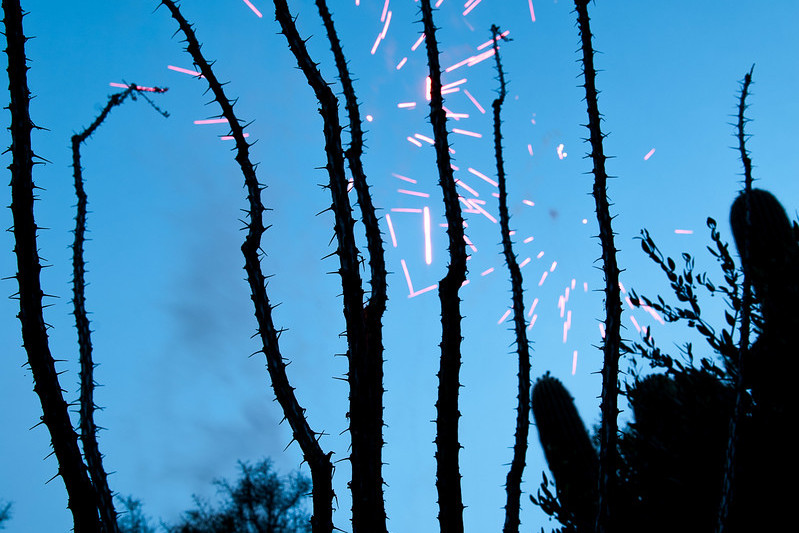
410 285
482 211
561 153
405 210
504 317
532 16
212 121
540 254
567 326
467 133
602 329
406 105
453 84
528 239
230 137
254 9
472 61
654 314
487 272
635 323
482 177
491 41
385 10
382 34
404 178
649 154
474 101
428 88
414 141
428 246
535 317
684 231
138 87
574 283
473 5
462 184
391 230
402 63
469 207
419 41
532 307
470 244
457 65
456 116
439 2
413 193
530 149
524 263
543 277
528 202
574 356
554 264
424 138
185 71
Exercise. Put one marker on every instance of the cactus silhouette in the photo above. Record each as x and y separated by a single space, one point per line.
672 456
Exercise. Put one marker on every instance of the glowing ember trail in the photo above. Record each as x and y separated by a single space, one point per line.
471 5
532 321
424 138
230 137
385 11
212 121
574 356
391 230
482 177
635 323
528 202
532 16
649 154
414 141
543 277
185 71
501 320
540 254
467 133
405 210
524 263
428 245
402 63
487 272
474 101
419 41
404 178
532 307
491 41
561 153
414 193
530 149
482 211
528 239
254 9
138 87
462 184
684 231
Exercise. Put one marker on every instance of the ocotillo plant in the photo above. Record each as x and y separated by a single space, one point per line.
513 481
448 477
612 341
318 461
88 429
744 248
55 416
364 328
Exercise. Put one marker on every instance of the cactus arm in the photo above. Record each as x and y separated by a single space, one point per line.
611 347
513 480
319 462
81 494
365 374
448 483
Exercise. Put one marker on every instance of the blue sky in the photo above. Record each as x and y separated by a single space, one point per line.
170 309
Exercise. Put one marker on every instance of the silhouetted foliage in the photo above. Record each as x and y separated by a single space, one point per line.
260 501
5 514
133 519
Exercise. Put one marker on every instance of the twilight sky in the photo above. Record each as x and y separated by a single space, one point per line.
170 309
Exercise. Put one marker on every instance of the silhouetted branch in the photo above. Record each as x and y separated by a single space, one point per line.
88 429
514 479
608 454
744 245
448 478
82 498
366 381
319 462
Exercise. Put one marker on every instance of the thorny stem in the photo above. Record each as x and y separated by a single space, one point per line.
82 497
728 485
448 478
513 481
608 430
364 335
319 462
88 429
